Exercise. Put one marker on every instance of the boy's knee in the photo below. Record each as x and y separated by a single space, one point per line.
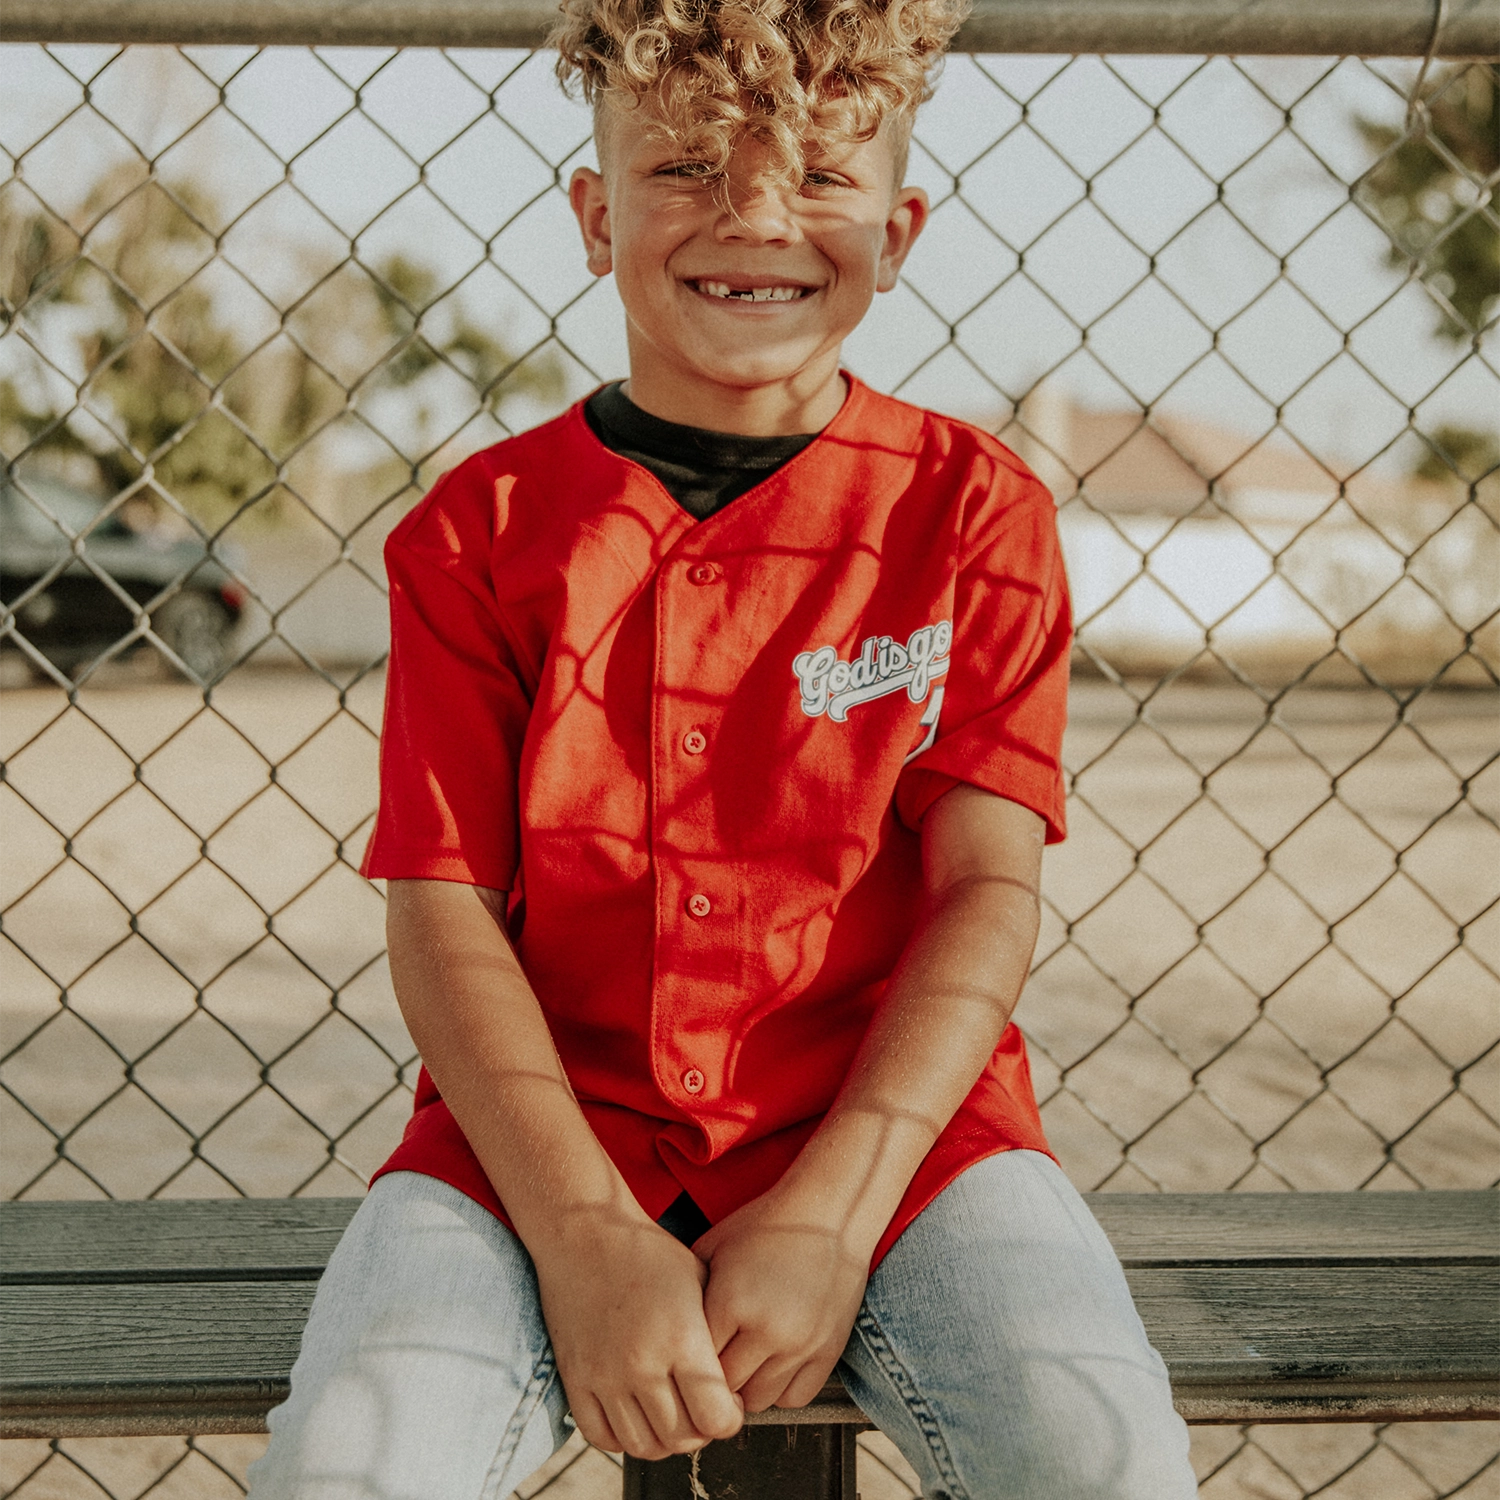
1036 1427
1080 1430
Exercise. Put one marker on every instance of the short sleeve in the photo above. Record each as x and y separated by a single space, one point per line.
1005 694
455 708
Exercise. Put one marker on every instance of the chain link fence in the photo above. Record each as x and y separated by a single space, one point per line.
1238 313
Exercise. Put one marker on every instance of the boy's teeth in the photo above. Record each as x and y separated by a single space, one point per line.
750 294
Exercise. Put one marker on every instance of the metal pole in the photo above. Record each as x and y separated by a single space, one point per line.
1386 28
808 1461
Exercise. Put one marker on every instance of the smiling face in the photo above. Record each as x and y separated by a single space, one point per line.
739 293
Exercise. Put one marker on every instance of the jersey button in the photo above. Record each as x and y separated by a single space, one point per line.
693 1081
704 572
699 905
694 742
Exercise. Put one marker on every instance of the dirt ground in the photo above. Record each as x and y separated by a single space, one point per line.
1197 1086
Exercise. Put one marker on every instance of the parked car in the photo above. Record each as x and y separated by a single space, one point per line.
75 616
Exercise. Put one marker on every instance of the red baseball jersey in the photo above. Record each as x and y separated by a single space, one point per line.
697 753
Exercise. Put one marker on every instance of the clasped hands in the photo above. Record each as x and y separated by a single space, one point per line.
662 1349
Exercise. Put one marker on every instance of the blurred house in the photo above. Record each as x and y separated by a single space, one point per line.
1184 540
1187 541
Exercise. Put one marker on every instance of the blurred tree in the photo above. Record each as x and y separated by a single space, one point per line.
1433 190
165 373
1459 452
1430 189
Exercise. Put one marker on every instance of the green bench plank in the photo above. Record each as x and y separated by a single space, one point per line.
1148 1229
184 1317
268 1238
1244 1343
158 1358
214 1239
1314 1342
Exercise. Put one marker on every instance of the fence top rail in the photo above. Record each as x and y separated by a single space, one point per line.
1385 28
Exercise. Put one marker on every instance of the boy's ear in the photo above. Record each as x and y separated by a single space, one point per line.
591 208
907 218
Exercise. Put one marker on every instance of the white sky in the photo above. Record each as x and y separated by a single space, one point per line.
480 174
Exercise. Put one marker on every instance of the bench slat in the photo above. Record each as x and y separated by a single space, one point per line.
1273 1228
1242 1342
1313 1342
273 1238
152 1359
217 1239
173 1317
1209 1325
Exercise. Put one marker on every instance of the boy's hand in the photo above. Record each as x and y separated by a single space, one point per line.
788 1270
783 1293
622 1299
623 1302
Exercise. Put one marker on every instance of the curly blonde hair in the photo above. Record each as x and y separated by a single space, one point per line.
788 73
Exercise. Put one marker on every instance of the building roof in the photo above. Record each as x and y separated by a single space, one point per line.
1128 462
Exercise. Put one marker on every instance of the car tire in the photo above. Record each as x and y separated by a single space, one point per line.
196 627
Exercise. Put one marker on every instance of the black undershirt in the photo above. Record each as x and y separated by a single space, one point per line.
701 470
684 1220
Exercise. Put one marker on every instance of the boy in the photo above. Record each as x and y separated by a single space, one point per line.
721 744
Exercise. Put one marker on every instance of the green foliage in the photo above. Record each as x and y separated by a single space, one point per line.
1430 188
165 376
1459 453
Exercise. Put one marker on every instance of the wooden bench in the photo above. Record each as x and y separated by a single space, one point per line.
183 1317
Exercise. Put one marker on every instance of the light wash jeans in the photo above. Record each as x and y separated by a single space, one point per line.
997 1347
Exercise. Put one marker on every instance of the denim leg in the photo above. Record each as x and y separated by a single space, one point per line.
426 1372
998 1348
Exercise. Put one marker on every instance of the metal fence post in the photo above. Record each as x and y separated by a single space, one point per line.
811 1461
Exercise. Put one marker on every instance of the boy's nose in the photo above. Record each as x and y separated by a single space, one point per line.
760 213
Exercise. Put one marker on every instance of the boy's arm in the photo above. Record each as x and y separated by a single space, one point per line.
622 1299
787 1271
